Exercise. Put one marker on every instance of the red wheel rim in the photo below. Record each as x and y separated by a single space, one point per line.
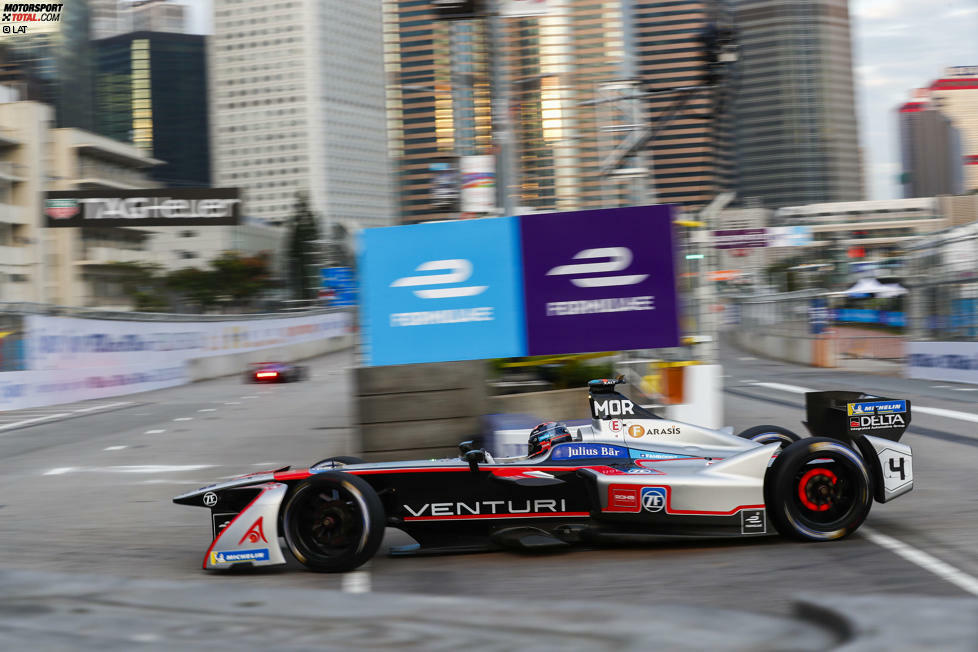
806 483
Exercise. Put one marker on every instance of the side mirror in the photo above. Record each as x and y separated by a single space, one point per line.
474 457
466 446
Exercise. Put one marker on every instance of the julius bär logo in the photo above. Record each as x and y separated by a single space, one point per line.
24 14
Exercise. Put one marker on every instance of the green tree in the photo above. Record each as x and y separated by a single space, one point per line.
144 284
302 251
194 285
241 277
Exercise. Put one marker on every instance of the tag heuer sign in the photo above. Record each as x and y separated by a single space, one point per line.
61 209
149 207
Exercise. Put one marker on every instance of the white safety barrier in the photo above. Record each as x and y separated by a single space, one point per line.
75 359
951 361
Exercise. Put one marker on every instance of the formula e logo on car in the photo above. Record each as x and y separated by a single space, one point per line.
458 269
613 408
653 499
619 258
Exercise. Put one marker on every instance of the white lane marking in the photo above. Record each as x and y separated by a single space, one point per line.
925 560
746 358
923 409
104 407
276 464
154 432
356 582
233 403
794 389
142 468
60 470
251 396
950 414
114 448
940 386
964 389
16 424
208 410
184 419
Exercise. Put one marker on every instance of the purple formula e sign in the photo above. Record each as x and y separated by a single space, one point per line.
599 280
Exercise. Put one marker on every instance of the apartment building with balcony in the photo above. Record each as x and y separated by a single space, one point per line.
71 266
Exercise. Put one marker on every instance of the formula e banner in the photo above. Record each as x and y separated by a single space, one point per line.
599 280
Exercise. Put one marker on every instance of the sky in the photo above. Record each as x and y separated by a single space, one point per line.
900 45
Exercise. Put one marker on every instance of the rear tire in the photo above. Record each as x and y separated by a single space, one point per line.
817 489
333 522
770 435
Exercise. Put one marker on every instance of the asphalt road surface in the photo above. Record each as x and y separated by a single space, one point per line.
89 492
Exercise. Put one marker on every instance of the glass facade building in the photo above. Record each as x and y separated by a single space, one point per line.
150 91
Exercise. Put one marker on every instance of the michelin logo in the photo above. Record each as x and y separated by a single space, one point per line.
235 556
877 407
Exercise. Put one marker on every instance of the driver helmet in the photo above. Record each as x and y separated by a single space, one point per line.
546 435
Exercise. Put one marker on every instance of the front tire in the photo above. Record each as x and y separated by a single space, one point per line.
333 522
770 435
818 489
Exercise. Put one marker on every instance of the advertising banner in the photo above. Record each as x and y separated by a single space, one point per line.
478 184
600 280
789 236
149 207
444 185
740 238
945 361
442 291
72 359
340 284
457 9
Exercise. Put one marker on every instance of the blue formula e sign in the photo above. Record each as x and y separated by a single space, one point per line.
442 291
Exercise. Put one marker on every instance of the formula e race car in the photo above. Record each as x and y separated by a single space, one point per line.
629 474
275 372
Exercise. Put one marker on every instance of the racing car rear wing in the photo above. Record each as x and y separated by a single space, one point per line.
848 415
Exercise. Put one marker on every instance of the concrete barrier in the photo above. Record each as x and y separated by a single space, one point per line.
232 363
811 351
422 410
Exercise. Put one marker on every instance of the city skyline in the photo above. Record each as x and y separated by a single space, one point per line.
898 47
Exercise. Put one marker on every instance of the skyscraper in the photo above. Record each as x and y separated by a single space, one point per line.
956 95
797 138
930 149
53 64
151 90
443 75
297 104
691 153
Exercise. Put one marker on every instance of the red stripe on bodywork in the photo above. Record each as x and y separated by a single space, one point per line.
474 517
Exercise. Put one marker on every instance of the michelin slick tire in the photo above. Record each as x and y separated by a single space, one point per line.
818 489
333 522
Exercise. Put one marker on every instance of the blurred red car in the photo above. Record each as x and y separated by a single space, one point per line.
275 372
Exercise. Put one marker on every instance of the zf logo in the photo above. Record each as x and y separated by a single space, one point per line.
613 408
458 269
653 499
619 258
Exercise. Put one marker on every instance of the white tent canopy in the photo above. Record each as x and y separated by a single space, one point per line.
874 287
